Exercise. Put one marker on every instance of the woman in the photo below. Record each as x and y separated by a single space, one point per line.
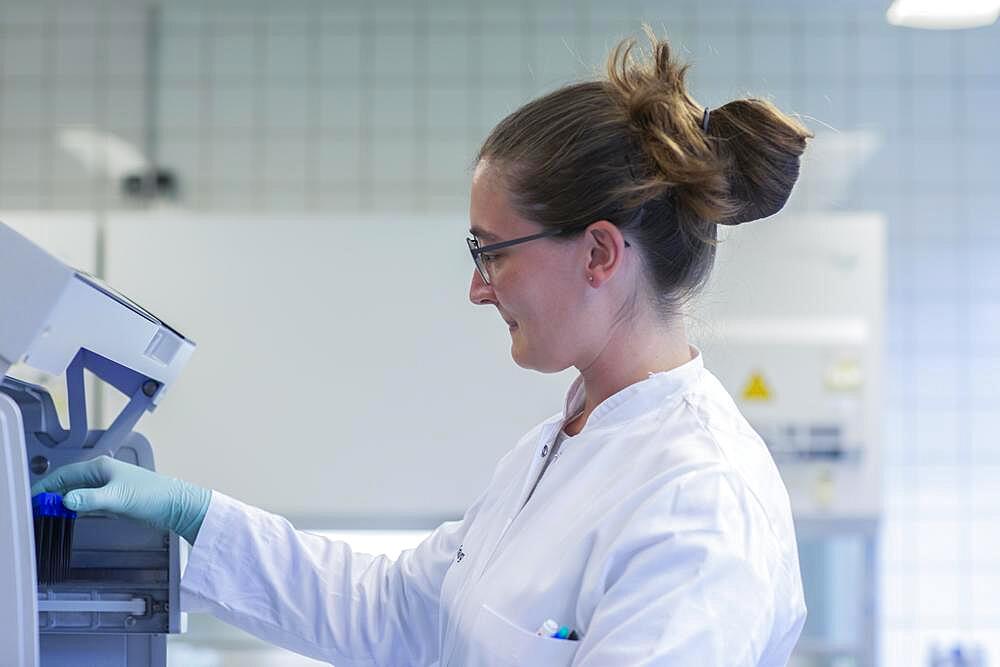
647 517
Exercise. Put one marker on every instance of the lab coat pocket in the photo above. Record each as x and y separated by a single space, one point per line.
504 643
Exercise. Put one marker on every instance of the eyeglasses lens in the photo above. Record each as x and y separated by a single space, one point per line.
479 260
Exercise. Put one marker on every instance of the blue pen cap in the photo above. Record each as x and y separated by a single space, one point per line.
51 504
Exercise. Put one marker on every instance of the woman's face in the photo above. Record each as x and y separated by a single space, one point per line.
538 287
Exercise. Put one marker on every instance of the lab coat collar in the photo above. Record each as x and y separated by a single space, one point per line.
637 397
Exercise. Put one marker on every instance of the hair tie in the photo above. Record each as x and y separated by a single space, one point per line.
704 120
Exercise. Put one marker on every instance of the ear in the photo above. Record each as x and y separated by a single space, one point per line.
606 251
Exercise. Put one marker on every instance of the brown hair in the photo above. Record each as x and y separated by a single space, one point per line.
630 148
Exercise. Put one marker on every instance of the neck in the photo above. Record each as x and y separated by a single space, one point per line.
629 356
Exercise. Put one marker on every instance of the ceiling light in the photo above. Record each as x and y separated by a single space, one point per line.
943 14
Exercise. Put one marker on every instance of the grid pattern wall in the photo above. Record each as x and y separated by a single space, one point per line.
379 107
65 67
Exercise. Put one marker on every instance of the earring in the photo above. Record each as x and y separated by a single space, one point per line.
590 278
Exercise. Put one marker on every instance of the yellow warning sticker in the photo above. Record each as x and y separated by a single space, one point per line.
757 389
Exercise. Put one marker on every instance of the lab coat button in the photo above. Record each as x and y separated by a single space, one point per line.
545 451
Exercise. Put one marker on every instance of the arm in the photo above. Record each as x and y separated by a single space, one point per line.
314 595
688 581
252 569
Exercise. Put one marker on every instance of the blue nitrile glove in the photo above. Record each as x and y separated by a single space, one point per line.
104 484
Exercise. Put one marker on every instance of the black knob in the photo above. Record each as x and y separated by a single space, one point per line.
38 465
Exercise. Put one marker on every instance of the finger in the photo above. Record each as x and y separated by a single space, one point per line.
85 474
90 500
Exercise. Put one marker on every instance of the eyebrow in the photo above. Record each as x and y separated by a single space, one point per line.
483 234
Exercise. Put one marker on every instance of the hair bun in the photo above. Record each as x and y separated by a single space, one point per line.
741 168
763 147
666 122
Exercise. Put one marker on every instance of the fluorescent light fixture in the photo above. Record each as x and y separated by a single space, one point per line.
943 14
102 152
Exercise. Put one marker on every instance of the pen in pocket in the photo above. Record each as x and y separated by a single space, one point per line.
552 629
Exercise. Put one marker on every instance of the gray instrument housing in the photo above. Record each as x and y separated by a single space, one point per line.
113 559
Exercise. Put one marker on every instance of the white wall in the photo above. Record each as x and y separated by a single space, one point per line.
341 371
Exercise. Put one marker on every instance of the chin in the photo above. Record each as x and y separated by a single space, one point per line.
540 365
518 359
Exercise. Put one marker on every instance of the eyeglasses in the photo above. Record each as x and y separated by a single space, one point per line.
481 254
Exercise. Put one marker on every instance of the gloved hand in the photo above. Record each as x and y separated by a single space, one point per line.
104 484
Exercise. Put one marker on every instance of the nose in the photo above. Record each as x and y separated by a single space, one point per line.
479 292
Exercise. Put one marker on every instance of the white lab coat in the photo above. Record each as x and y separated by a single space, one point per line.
661 533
